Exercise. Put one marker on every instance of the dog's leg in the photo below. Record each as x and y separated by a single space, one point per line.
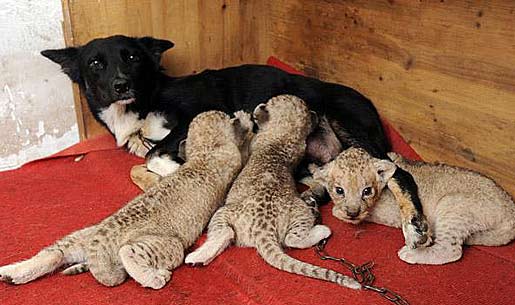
163 159
162 165
415 228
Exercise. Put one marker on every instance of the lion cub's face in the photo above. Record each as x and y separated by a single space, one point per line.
354 181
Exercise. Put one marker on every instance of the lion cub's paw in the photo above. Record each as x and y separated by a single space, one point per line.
144 178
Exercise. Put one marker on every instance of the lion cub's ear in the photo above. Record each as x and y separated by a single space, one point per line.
261 115
385 169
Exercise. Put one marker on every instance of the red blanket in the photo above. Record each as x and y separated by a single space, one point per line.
46 199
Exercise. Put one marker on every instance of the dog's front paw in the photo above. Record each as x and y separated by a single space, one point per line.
136 145
162 165
416 233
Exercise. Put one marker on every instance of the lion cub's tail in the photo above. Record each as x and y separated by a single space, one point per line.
272 252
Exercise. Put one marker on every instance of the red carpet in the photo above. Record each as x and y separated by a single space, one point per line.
44 200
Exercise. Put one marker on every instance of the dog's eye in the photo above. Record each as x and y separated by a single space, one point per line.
367 192
133 58
339 191
96 64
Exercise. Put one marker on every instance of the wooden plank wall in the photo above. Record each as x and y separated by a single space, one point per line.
443 72
207 34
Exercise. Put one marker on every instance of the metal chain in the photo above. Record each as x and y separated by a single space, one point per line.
361 273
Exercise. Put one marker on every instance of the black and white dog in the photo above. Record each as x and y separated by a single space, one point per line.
127 92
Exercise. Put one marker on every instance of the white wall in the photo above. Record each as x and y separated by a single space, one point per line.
37 115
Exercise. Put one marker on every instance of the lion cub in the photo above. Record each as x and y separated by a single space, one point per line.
263 209
462 206
147 238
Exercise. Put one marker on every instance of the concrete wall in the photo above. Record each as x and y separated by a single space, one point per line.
37 115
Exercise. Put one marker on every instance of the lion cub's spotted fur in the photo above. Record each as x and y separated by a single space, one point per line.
147 238
462 206
263 209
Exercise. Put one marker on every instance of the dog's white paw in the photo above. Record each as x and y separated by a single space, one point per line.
162 165
136 146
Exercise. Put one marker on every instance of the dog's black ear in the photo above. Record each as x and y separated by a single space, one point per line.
156 46
68 58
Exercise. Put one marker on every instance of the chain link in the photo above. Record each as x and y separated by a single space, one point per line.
361 273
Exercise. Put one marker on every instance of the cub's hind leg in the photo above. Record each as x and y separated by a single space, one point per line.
150 259
500 236
219 236
68 250
302 231
452 226
103 261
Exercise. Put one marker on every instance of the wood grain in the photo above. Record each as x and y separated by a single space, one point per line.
441 71
207 34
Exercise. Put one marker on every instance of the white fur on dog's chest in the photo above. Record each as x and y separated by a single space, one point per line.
124 123
154 127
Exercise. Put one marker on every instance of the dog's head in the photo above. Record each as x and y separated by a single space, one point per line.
116 69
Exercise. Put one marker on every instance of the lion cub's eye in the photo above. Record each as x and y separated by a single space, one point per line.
367 192
339 191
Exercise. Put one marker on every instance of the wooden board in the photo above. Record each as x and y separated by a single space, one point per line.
207 34
443 72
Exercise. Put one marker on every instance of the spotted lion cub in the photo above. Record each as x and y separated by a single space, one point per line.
147 238
462 206
263 209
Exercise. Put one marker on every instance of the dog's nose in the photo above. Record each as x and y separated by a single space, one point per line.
352 213
121 85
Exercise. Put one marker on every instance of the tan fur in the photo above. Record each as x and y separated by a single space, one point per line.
462 206
143 178
263 209
147 238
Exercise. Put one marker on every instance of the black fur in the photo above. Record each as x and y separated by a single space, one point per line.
180 99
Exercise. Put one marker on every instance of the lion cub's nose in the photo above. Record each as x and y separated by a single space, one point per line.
352 212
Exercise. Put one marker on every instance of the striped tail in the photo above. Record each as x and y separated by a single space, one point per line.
271 251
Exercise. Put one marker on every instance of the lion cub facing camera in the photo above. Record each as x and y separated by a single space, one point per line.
263 209
147 238
462 206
